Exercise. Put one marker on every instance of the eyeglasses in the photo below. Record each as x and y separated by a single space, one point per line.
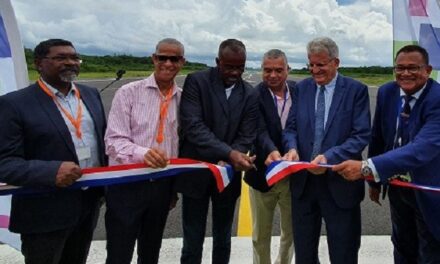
164 58
411 69
62 58
318 65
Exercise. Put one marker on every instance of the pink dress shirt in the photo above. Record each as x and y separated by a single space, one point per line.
134 119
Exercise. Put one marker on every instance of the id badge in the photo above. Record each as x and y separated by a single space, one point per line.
83 153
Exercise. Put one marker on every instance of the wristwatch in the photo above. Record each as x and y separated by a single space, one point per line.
365 169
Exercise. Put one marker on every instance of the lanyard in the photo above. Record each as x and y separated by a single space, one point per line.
162 115
76 122
284 103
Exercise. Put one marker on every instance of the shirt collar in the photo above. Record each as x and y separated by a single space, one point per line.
55 91
415 95
152 84
287 96
331 85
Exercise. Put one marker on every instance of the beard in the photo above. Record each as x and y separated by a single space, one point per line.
68 75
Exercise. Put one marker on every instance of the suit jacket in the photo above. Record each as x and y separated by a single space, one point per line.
212 125
269 136
421 156
34 140
346 134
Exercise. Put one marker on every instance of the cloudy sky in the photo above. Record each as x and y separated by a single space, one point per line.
362 28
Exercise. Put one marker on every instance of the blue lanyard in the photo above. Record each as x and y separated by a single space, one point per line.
284 103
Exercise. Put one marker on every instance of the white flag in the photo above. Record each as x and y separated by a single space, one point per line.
13 76
418 22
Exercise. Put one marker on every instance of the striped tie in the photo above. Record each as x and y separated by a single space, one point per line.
319 123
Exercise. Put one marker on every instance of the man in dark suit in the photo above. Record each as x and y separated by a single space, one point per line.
275 101
218 119
329 122
50 130
405 145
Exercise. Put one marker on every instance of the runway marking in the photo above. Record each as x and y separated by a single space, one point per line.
244 227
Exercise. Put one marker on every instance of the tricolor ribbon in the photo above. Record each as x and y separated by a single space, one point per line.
103 176
278 170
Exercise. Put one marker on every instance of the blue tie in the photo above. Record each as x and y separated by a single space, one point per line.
319 123
402 130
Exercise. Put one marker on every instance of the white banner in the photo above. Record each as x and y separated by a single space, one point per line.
13 76
418 22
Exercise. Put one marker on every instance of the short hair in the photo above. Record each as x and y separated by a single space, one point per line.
43 48
415 48
323 44
170 41
274 54
234 45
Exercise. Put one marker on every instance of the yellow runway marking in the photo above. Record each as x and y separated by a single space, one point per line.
244 212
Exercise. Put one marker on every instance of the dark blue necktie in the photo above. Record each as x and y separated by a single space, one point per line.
319 123
402 137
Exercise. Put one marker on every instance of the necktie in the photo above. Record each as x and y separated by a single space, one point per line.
319 123
163 115
402 129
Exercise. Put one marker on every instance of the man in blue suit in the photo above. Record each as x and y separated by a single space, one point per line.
49 131
405 144
275 100
329 122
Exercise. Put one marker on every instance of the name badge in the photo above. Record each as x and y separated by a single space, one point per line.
83 153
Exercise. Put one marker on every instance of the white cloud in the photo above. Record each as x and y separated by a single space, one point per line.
361 29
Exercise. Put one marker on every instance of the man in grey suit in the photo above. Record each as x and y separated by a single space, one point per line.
218 119
49 131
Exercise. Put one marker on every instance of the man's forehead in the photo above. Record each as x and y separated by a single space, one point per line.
62 49
169 47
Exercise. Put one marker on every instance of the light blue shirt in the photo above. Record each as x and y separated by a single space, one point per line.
328 95
88 139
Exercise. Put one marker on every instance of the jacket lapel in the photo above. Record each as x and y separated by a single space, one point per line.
269 106
310 102
92 106
235 102
54 115
338 94
219 91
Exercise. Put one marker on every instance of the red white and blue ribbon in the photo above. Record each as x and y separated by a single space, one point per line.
278 170
103 176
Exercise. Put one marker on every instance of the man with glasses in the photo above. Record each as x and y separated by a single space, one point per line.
50 131
405 145
218 115
329 122
142 128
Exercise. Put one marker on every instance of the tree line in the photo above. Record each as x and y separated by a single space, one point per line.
111 63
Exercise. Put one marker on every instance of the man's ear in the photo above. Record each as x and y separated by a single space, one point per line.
217 61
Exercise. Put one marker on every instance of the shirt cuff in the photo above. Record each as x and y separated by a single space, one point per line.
139 153
373 170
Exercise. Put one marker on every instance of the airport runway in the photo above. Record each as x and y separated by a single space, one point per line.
375 219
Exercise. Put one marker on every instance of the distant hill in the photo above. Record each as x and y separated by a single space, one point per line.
112 63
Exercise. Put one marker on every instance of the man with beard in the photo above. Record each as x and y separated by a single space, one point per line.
50 130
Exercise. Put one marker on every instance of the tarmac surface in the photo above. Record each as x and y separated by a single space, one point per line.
374 250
